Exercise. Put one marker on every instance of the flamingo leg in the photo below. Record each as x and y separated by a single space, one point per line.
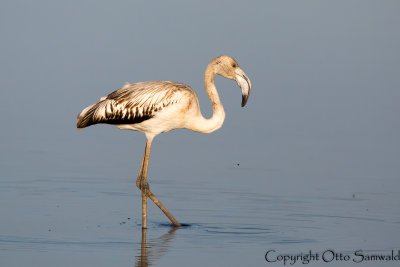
143 185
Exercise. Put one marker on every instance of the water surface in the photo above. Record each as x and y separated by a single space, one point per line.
66 221
311 162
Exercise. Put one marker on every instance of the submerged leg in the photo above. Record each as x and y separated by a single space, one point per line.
143 185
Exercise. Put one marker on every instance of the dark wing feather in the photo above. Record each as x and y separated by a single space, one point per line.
132 103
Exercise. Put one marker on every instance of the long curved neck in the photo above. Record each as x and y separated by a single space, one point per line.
215 122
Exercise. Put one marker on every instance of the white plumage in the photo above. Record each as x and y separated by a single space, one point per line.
160 106
148 107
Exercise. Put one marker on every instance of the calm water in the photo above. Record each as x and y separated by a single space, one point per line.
233 220
311 162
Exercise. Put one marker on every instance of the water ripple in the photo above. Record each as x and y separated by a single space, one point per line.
19 242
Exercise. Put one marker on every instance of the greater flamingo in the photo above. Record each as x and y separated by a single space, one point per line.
160 106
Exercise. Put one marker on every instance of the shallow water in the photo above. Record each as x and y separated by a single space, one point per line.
232 220
311 162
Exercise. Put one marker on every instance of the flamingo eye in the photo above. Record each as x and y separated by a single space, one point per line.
234 65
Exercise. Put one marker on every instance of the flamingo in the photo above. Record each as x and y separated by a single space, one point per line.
160 106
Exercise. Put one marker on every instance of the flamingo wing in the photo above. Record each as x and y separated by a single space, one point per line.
133 103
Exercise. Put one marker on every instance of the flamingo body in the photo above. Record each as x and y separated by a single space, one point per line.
148 107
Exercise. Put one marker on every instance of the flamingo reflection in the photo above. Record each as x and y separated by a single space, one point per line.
154 249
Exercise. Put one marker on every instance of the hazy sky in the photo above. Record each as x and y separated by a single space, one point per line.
325 75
